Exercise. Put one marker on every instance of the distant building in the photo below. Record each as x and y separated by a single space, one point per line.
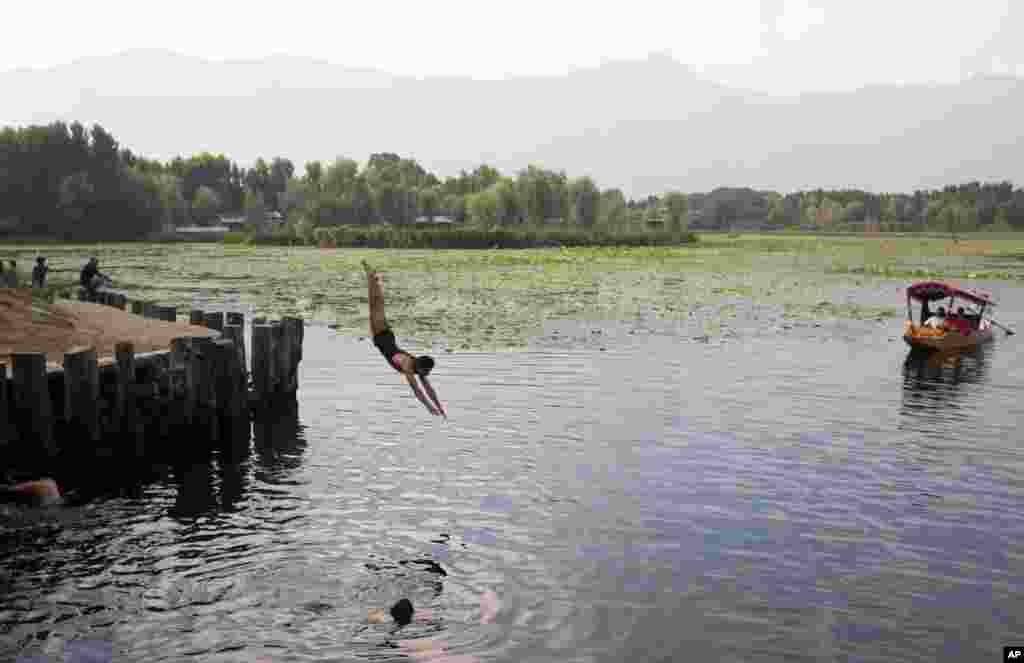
199 233
232 222
437 220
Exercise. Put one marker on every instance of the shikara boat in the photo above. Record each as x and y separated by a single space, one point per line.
954 331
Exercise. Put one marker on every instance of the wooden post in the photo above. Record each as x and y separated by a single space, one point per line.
150 310
82 392
6 431
281 350
122 302
196 317
214 319
233 318
169 313
206 386
237 334
226 367
182 358
295 329
288 341
34 409
138 308
262 364
124 400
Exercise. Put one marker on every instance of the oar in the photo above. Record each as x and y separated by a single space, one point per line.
1009 331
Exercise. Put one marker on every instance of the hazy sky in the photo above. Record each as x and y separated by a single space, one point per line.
773 45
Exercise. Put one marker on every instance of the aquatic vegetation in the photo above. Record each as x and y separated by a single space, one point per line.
498 298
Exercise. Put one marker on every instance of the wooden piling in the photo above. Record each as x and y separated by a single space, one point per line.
214 319
82 393
237 334
6 430
206 410
34 409
124 400
294 330
168 312
196 317
197 391
230 404
282 353
182 360
262 361
138 308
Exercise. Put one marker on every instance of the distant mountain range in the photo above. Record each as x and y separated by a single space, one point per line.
644 126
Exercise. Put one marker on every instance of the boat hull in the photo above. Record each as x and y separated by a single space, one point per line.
949 340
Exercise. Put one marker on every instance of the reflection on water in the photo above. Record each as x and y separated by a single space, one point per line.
938 386
279 442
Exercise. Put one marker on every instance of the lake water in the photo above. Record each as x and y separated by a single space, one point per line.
632 490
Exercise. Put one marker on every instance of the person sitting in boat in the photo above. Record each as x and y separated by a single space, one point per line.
926 312
938 320
961 322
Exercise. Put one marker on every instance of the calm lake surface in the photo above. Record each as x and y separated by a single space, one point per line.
633 489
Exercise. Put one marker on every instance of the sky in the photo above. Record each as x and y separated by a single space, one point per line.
783 46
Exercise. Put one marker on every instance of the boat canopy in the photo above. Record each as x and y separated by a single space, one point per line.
934 290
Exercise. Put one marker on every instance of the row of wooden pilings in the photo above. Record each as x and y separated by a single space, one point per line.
198 391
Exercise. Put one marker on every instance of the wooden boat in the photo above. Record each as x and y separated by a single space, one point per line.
955 331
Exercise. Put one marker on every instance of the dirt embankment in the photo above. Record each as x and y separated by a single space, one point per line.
35 326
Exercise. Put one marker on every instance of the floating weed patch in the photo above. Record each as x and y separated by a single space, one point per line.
478 299
840 311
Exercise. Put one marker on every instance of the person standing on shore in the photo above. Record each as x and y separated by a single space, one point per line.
39 273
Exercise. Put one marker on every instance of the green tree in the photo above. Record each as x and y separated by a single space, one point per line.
206 205
341 176
255 209
586 201
294 196
314 175
676 206
429 203
483 208
1001 221
614 214
508 210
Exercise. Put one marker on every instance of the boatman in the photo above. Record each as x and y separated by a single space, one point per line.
409 365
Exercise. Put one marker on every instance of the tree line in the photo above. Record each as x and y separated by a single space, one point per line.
69 182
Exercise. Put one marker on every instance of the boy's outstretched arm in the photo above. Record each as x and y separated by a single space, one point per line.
419 394
433 396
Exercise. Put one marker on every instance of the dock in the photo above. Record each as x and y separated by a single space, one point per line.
198 392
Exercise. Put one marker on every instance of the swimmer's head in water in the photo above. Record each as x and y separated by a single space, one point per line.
424 364
402 611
